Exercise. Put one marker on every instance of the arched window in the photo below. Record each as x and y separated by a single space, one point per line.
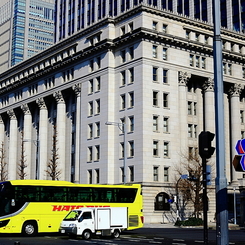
161 201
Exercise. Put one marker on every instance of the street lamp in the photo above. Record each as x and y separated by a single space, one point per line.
122 127
36 143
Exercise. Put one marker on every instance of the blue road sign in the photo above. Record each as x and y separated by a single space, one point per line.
240 147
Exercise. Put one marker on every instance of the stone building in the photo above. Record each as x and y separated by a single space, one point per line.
147 69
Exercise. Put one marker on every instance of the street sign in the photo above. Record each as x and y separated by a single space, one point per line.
240 147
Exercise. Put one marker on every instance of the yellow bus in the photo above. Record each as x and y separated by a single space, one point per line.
34 206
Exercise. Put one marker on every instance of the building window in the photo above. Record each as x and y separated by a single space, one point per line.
131 173
166 174
123 104
97 106
154 51
97 84
242 116
154 74
131 148
155 148
90 131
123 78
189 108
164 28
155 173
165 100
122 173
68 75
90 108
192 131
243 72
242 134
131 53
131 123
91 65
154 25
166 149
155 98
123 56
155 123
164 53
131 99
130 26
97 129
98 61
97 153
165 124
122 149
91 86
227 69
90 154
97 176
123 30
165 76
131 75
90 177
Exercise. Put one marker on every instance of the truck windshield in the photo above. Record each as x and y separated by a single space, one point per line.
73 215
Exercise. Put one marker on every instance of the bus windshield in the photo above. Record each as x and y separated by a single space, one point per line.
8 203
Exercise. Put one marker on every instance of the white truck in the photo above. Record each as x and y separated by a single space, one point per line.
100 221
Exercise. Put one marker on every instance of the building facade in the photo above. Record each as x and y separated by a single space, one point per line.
26 27
149 70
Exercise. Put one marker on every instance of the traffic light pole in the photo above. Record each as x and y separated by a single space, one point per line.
205 201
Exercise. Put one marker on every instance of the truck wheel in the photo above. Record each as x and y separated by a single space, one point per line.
29 228
116 234
87 234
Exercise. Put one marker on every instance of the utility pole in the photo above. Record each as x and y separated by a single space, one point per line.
220 181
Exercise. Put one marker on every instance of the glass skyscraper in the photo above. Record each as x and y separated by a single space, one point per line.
26 28
74 15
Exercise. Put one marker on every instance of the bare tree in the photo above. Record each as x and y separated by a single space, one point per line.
190 188
22 164
3 164
53 165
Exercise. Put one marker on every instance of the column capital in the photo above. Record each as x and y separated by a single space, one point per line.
209 85
59 97
41 103
77 89
184 78
11 114
25 108
235 90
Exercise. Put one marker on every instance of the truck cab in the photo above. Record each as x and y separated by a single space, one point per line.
100 221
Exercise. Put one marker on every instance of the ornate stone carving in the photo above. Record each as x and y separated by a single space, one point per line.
11 114
25 109
184 78
235 90
41 103
77 89
209 85
59 97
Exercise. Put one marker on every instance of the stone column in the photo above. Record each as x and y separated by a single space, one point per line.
183 128
77 90
28 141
2 133
235 122
61 133
43 138
209 113
12 167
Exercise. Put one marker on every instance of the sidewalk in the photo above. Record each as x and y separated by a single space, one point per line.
211 226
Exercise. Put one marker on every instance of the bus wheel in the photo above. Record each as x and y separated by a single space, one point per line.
29 228
116 234
87 234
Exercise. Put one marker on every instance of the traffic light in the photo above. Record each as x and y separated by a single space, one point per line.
205 148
